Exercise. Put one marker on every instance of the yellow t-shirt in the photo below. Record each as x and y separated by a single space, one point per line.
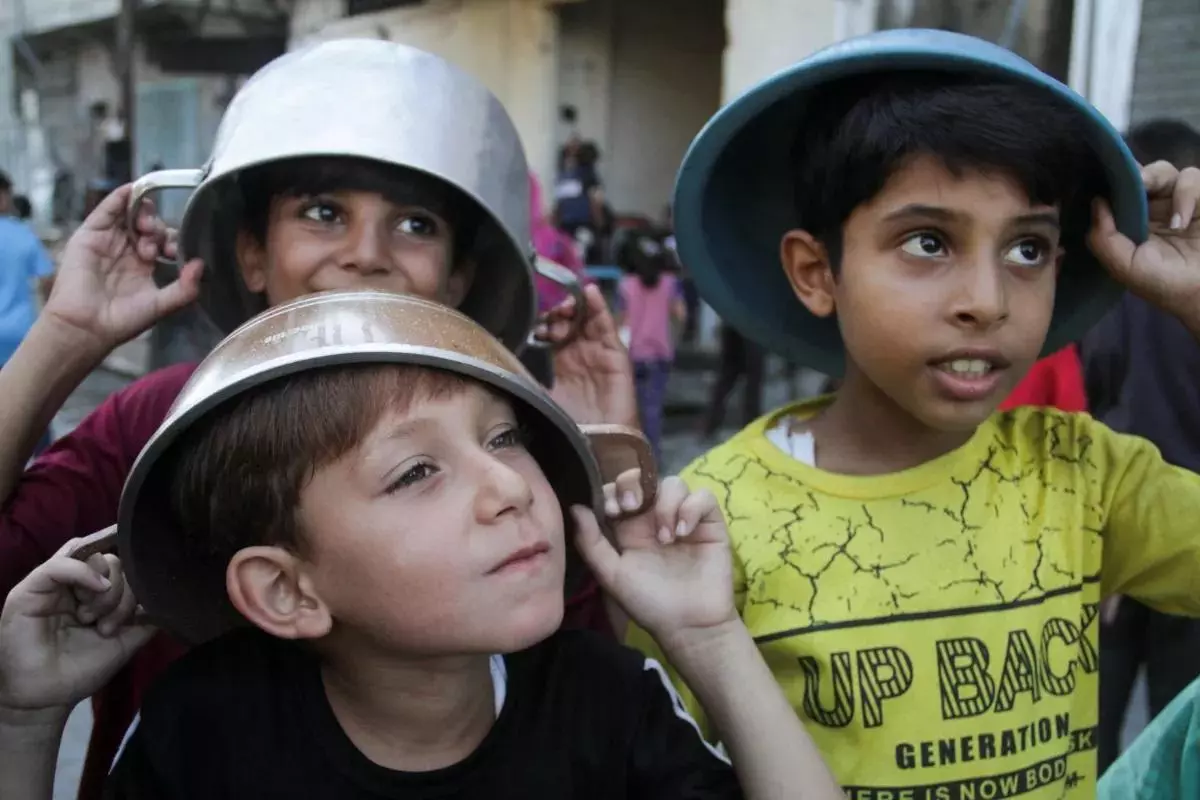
937 629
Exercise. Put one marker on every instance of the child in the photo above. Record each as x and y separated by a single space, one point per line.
921 573
304 224
650 300
420 539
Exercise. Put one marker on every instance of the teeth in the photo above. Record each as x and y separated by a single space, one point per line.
970 367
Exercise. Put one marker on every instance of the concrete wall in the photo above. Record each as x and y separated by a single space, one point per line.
509 45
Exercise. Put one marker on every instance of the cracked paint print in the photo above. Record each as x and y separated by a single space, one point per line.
938 629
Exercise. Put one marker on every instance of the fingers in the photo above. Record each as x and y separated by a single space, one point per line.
110 212
1180 187
598 326
672 495
95 606
50 588
184 289
1185 198
699 507
599 553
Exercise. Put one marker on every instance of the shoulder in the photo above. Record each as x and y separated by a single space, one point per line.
153 394
1049 434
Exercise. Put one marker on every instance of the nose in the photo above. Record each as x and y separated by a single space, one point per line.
368 249
981 297
503 490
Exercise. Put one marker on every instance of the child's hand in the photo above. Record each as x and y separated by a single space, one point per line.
1165 269
65 631
674 571
593 378
104 289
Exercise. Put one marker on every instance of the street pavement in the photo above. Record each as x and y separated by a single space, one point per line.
687 393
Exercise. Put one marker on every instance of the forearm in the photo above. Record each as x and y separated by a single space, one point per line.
35 383
772 753
29 742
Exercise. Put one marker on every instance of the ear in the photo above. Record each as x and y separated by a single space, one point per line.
252 260
270 587
806 264
462 275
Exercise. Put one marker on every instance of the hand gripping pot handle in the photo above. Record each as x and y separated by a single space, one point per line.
154 182
568 280
617 449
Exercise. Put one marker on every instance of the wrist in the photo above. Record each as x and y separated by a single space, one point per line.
700 647
66 344
34 726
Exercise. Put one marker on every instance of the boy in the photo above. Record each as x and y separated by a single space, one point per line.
308 224
921 573
420 539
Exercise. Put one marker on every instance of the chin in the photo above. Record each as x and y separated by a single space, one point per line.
526 625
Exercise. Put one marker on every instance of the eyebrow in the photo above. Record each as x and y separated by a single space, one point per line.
946 215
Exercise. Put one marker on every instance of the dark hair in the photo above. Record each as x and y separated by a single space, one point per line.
644 254
861 130
236 476
299 177
22 207
5 183
1165 140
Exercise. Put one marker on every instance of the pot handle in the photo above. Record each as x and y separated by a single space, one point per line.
618 449
102 541
153 182
568 280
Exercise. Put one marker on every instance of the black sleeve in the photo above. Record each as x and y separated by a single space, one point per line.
669 759
134 776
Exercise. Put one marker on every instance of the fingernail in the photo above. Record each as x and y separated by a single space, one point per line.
1176 221
681 528
105 583
628 501
664 534
611 508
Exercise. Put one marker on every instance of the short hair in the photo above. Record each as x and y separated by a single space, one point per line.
862 130
236 476
1165 139
304 176
22 207
5 183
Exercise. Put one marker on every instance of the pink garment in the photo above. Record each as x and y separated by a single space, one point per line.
551 243
647 313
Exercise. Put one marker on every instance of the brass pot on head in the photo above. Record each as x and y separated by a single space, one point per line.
185 593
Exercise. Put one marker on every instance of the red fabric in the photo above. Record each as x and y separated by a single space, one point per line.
73 489
1056 381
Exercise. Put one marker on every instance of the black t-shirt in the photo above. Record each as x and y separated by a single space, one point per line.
246 716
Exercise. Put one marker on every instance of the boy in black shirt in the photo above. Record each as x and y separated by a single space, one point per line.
387 532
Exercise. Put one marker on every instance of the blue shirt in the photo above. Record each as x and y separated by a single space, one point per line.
22 258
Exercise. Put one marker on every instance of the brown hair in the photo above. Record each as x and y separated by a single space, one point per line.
237 474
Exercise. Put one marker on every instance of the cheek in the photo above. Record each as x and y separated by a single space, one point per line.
292 260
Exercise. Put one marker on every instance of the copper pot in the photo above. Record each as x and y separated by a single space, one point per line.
186 595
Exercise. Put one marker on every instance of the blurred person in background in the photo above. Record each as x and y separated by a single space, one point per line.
23 261
650 299
1142 372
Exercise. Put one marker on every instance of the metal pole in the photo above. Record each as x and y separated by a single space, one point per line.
125 59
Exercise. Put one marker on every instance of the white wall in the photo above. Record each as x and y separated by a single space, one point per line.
1104 41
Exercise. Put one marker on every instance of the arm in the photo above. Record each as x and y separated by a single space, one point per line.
104 295
29 752
674 575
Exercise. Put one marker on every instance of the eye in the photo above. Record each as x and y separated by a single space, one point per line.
321 211
411 476
1028 253
924 245
418 225
511 437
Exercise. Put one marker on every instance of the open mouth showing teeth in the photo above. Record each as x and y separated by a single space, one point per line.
967 367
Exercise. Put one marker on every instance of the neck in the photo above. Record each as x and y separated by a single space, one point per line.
412 714
893 441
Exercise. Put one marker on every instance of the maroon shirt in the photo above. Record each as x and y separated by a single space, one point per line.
74 489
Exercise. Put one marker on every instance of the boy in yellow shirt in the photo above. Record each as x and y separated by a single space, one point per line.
922 573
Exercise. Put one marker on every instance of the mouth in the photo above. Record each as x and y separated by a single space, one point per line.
967 375
525 558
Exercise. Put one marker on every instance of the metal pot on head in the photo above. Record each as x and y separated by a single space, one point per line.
185 593
383 102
